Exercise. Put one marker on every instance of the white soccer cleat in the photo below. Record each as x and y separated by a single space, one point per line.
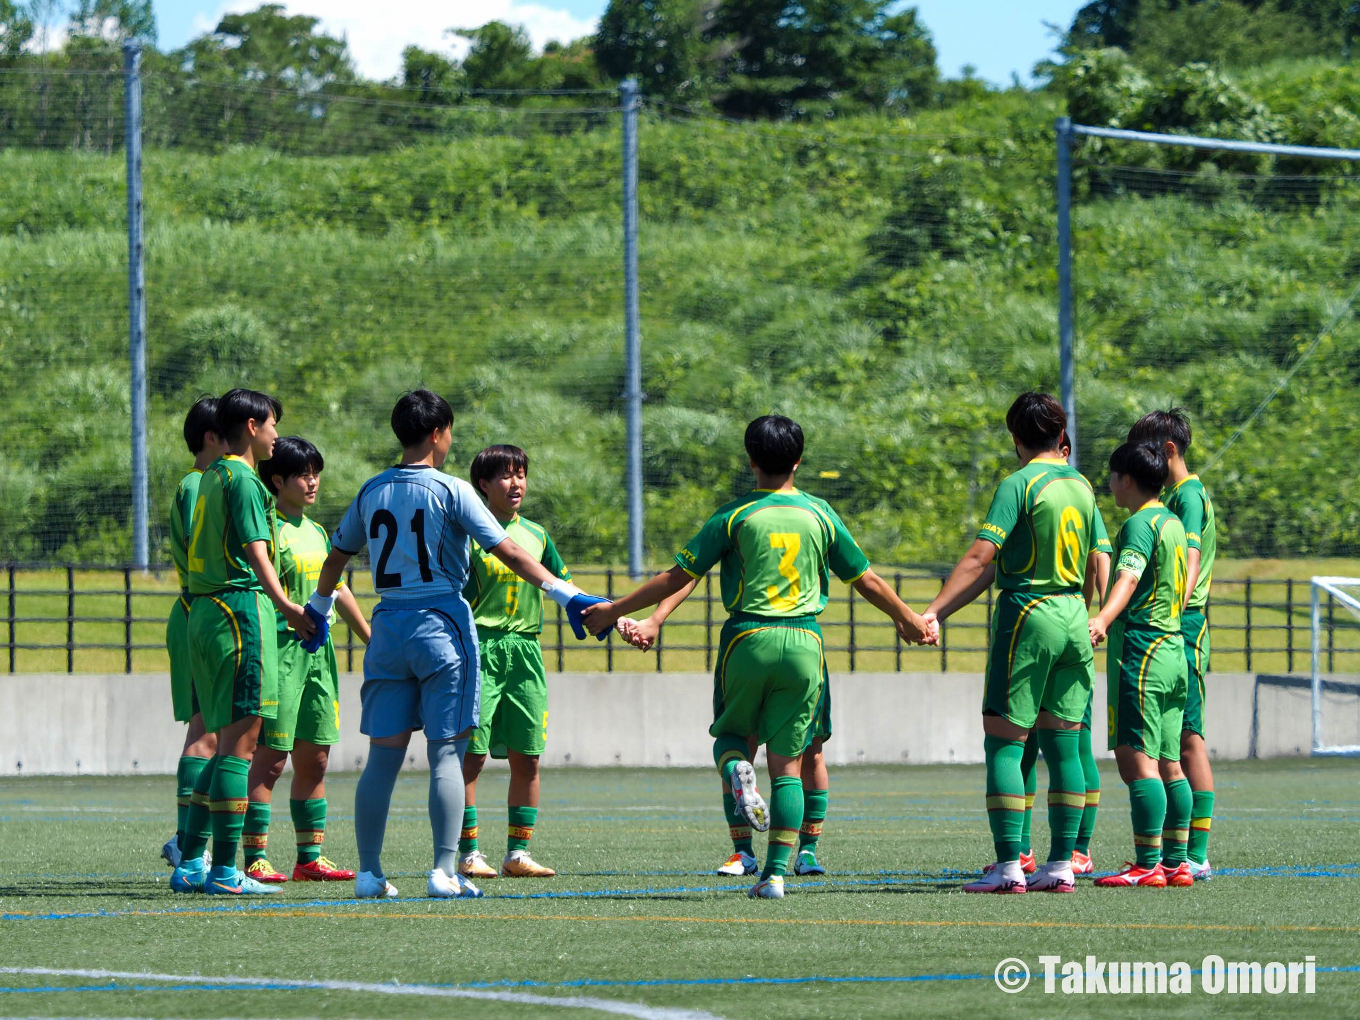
739 864
1000 878
771 888
1200 872
1055 876
473 865
368 886
444 887
171 852
749 801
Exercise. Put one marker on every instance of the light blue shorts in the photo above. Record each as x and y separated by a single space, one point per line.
421 671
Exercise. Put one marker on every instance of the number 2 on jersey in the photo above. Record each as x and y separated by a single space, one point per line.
387 522
790 542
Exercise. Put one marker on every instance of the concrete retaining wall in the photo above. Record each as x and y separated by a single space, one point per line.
95 724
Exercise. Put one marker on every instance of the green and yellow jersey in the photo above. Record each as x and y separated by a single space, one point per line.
499 599
181 524
1189 500
1100 537
233 509
1043 520
302 546
1151 546
777 551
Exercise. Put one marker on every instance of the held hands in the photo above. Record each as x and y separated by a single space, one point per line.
1098 630
303 625
641 634
916 629
598 617
317 617
578 605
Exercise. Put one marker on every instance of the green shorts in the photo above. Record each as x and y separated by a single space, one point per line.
182 697
1090 704
1145 674
233 651
1195 631
771 682
822 730
1040 658
514 695
309 697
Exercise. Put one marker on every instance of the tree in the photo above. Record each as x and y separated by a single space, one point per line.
114 21
16 29
435 78
657 41
501 56
272 50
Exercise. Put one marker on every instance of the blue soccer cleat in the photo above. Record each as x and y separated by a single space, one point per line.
806 863
574 607
190 876
228 880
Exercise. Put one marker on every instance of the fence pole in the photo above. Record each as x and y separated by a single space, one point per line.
897 643
1317 677
1289 624
1247 601
132 104
1066 320
944 652
850 609
349 631
12 637
70 619
127 620
708 622
629 101
609 638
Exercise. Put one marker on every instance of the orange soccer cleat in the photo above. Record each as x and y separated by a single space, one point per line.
1133 874
321 870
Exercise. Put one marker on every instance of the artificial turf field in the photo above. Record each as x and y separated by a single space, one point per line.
635 923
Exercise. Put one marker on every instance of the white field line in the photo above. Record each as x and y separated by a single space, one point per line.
639 1010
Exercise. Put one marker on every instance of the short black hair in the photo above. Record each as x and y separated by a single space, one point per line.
236 407
417 414
1145 463
292 456
1162 427
774 443
494 461
1037 421
201 419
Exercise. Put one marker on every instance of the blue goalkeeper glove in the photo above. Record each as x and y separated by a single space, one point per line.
318 610
573 600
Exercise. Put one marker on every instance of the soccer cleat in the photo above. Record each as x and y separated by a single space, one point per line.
1200 872
1055 876
771 888
739 864
1180 877
473 865
1153 877
806 864
320 870
189 876
1081 864
999 878
749 801
228 880
368 886
262 871
518 864
171 852
1027 864
445 887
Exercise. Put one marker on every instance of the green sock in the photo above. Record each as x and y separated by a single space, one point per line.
1005 795
467 839
727 751
1147 802
255 832
227 800
1066 790
1201 814
1176 828
185 775
198 822
814 814
786 816
1091 771
737 826
521 828
309 827
1029 769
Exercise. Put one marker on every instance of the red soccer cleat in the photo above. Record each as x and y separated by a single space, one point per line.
262 871
1181 876
321 870
1081 864
1152 878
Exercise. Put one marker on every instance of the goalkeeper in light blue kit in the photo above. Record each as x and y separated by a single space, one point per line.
421 669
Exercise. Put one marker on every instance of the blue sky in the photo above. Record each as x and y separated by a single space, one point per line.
999 37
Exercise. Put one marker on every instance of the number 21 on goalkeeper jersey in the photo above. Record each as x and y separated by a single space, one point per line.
415 522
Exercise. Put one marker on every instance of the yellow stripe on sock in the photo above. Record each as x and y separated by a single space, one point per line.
468 833
739 832
811 829
1146 840
313 837
1029 801
184 801
254 840
201 799
1072 800
784 837
1176 835
230 807
520 831
1092 798
1200 824
1005 802
730 756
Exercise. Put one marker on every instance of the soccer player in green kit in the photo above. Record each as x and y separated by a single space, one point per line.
509 617
200 435
1038 541
1146 670
232 636
777 548
1187 498
308 720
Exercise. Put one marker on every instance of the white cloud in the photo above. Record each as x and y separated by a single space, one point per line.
378 32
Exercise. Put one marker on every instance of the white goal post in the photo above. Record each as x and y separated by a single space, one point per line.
1336 587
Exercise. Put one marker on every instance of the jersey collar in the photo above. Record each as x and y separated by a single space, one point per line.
1152 504
1048 460
1187 478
